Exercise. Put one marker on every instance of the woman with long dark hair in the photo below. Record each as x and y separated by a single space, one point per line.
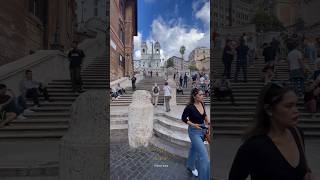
274 147
195 116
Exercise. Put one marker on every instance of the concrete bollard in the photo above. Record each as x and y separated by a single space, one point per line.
83 150
140 123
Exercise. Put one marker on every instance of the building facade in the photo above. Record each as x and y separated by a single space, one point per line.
90 9
150 58
198 55
123 26
27 26
177 63
231 13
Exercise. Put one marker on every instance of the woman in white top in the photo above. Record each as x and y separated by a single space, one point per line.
167 96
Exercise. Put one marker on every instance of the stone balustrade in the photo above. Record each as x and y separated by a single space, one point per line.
48 64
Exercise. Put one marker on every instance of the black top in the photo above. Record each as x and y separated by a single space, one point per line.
75 57
269 54
193 114
316 73
242 52
226 56
133 79
260 158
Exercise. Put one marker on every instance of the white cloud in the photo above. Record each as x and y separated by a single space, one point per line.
137 43
196 4
204 13
171 38
172 34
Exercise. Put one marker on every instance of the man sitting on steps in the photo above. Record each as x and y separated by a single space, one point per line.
8 110
222 88
33 89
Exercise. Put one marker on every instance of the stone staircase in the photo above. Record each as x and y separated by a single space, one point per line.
233 120
170 133
146 84
51 120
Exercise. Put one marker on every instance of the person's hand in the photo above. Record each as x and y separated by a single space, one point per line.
197 126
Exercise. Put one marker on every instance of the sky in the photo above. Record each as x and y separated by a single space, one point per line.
173 23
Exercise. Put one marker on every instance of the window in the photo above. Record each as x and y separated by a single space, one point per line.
122 7
143 50
34 7
121 60
121 34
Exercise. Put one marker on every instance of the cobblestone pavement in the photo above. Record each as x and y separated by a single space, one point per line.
145 164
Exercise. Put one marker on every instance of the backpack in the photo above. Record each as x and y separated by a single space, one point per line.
156 89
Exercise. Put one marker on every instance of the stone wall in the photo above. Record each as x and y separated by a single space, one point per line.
22 32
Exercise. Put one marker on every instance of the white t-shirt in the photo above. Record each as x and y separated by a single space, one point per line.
293 59
202 80
167 90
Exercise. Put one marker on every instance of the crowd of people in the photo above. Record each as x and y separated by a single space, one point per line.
301 52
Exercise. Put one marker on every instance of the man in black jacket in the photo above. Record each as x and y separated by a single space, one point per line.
75 58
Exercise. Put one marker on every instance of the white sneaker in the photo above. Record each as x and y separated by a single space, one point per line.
21 117
26 111
195 172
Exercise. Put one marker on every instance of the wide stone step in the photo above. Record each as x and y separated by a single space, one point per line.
51 109
88 83
243 127
176 137
40 170
31 134
52 104
35 127
83 80
85 87
38 115
48 121
251 114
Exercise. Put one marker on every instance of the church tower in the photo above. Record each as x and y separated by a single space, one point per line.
157 50
144 51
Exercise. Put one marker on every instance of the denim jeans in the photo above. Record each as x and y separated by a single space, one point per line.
198 152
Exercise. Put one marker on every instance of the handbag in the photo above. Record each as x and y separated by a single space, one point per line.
309 175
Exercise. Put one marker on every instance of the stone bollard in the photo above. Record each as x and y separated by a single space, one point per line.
140 123
83 150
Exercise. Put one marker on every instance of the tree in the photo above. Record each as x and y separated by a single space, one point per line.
170 63
193 67
182 50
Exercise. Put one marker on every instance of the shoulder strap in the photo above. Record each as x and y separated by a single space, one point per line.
301 143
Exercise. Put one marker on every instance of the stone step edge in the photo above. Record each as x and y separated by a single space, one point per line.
17 170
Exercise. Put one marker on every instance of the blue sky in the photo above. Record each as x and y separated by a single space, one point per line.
173 23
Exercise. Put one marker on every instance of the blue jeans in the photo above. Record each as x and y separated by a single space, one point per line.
198 152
